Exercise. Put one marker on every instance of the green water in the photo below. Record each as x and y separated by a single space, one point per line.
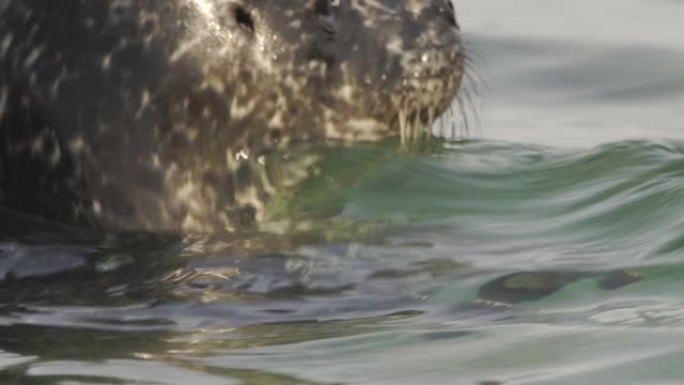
403 301
547 247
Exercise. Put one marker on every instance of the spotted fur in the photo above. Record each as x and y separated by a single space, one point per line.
161 114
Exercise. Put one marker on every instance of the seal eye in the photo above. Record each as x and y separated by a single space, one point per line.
244 19
324 7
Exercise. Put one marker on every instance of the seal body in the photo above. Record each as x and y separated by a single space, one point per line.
151 115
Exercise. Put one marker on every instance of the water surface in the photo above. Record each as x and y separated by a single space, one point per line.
546 248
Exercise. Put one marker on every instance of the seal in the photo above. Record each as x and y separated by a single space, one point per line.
151 115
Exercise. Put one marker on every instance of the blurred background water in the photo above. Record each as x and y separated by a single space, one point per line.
546 248
578 73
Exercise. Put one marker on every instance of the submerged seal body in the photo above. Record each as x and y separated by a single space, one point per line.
143 115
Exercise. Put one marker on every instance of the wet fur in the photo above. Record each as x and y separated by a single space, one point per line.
163 114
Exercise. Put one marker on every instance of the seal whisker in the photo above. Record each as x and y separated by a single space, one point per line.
471 99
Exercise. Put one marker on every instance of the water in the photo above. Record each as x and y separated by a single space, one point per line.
578 73
544 249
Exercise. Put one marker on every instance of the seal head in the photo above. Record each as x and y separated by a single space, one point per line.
155 114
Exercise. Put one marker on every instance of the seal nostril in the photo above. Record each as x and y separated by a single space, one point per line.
452 20
451 14
244 19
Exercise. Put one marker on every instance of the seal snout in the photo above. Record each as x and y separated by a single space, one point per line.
432 59
384 59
